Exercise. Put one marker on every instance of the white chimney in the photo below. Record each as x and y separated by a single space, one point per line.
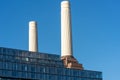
33 36
66 32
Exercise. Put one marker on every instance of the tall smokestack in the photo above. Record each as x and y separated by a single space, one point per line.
33 36
66 38
66 32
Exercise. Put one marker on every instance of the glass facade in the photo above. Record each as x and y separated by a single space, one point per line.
24 65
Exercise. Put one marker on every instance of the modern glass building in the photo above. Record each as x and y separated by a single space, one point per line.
24 65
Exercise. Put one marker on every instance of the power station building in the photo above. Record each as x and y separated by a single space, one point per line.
24 65
32 65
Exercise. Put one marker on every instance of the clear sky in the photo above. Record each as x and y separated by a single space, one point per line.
95 26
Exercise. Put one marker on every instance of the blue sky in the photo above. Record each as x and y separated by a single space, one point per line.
95 26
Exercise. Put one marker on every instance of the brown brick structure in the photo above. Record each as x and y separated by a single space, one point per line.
71 62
